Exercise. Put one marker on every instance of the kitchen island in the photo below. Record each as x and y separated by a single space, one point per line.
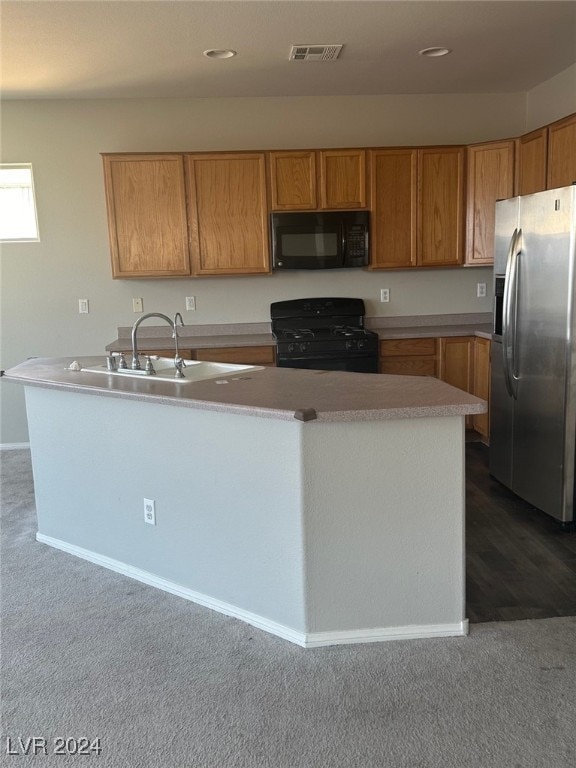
320 506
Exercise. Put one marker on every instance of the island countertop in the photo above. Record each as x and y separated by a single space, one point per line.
278 393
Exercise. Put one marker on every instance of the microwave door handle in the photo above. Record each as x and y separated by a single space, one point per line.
343 243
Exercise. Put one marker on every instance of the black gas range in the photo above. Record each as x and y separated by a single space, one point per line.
325 334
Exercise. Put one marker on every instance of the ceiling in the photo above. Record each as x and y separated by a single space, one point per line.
153 48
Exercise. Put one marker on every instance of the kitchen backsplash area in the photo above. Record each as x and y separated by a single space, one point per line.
248 299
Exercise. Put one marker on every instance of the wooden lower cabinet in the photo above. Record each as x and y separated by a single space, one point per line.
461 361
185 354
481 384
456 365
260 355
409 357
242 355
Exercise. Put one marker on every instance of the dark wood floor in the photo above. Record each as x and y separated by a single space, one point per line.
520 564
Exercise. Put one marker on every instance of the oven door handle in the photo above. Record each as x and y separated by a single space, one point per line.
350 356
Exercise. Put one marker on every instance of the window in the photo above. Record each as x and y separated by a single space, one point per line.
17 205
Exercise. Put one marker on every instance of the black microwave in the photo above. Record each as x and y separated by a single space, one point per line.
332 240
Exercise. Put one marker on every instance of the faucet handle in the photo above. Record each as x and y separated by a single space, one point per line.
122 361
179 364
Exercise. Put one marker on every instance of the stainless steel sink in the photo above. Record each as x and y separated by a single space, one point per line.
195 370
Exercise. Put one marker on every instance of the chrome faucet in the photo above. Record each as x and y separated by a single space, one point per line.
135 357
179 363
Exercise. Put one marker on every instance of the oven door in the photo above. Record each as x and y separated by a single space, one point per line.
360 364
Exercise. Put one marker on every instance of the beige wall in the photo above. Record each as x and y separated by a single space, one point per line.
551 100
42 282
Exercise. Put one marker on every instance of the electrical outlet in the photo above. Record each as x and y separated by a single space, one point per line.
480 290
191 303
83 307
137 305
384 295
150 511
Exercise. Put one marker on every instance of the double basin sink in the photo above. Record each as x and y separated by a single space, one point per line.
195 370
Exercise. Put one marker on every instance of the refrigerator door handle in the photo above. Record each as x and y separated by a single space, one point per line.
507 314
515 373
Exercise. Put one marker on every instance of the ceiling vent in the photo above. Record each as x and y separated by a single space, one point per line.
314 52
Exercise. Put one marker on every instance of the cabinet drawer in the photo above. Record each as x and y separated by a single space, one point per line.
397 347
246 355
185 354
409 366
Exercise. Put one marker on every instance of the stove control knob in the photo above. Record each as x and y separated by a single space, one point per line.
291 347
361 344
349 345
303 347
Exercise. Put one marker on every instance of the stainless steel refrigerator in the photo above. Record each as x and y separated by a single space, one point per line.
533 395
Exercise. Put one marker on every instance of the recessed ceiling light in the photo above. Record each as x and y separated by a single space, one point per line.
219 53
435 51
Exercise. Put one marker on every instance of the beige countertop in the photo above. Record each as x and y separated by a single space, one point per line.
259 334
279 393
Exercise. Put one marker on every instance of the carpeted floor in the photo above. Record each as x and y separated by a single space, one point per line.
163 682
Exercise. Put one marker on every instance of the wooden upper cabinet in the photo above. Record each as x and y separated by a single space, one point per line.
228 213
440 206
316 180
147 223
393 178
343 178
562 153
293 181
490 178
531 151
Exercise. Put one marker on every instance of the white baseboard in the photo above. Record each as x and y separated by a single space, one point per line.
379 635
304 639
175 589
14 446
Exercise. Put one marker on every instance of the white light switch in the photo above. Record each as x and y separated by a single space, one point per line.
191 303
83 307
137 305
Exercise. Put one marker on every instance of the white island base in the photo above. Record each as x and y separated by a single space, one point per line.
318 532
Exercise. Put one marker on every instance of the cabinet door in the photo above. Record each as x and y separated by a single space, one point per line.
228 214
393 175
490 178
293 181
440 206
531 152
147 223
343 178
409 357
457 361
481 387
242 355
562 153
